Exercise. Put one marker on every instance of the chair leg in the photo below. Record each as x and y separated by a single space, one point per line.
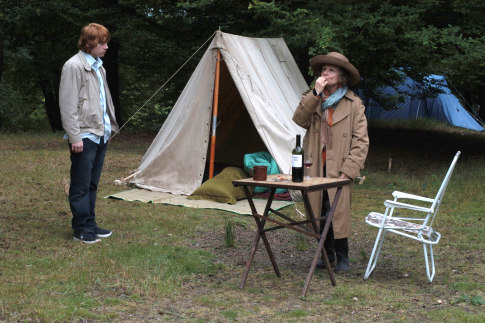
375 253
429 271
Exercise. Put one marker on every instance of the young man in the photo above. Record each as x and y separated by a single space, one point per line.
88 117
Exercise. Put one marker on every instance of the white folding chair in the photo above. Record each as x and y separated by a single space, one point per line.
417 228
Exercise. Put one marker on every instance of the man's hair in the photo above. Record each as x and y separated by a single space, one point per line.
91 36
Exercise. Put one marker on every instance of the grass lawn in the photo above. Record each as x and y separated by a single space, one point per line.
169 264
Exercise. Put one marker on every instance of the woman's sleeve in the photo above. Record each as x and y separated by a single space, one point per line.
354 162
308 105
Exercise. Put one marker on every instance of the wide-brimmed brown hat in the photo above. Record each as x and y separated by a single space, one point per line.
336 59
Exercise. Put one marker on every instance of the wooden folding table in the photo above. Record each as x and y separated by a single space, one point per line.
307 186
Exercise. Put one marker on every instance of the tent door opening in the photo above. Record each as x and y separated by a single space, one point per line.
236 134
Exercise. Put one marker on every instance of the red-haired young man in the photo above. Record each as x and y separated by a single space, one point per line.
88 117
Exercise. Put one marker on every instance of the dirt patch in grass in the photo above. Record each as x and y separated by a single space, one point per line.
397 291
132 139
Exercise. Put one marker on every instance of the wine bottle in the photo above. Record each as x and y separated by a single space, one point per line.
297 161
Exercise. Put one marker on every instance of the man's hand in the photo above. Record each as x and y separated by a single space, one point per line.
77 147
320 84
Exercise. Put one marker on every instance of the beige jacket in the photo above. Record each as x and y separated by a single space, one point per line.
81 109
347 154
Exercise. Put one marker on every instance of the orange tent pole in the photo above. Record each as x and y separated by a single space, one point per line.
214 115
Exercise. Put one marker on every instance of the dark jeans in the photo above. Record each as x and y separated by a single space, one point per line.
86 170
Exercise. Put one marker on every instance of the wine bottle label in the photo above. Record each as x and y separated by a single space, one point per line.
297 161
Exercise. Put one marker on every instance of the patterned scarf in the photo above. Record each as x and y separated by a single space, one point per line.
334 99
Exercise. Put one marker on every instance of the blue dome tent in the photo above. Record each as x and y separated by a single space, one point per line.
445 107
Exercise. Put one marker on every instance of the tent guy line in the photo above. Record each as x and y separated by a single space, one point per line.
474 114
163 85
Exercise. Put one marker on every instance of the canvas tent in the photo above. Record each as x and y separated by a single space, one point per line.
259 89
445 107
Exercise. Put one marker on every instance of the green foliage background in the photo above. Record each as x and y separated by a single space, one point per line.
153 38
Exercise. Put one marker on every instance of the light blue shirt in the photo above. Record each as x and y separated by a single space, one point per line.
96 65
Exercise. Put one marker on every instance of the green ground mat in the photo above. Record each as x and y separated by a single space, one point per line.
241 207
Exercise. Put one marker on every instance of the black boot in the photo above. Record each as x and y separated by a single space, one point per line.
342 251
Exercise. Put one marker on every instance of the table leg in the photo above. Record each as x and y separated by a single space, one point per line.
250 260
259 235
263 234
309 211
320 247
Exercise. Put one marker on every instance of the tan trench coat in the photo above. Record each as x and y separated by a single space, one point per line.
347 154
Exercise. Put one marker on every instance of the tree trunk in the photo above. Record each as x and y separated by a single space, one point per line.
1 51
110 63
481 101
51 95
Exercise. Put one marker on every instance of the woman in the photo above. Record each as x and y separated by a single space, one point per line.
337 140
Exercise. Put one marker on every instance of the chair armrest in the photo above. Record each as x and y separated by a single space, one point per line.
401 195
393 204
